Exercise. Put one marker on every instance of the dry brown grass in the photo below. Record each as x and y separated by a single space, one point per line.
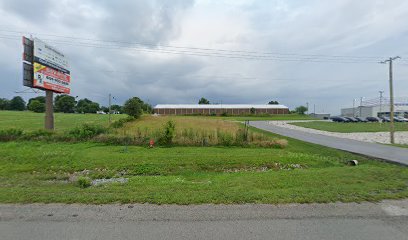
195 131
182 123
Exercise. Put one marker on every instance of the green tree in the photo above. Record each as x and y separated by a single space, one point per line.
253 110
133 107
104 109
4 104
92 107
301 110
116 107
273 103
64 103
203 101
39 98
36 106
87 106
17 104
147 108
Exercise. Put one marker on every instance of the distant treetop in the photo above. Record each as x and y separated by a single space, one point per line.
203 101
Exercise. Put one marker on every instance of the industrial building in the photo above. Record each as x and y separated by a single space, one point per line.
322 116
377 108
219 109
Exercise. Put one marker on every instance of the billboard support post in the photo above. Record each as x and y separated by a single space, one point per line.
49 110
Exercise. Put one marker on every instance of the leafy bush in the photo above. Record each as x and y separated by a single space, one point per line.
39 134
87 131
84 182
10 134
169 132
225 138
119 123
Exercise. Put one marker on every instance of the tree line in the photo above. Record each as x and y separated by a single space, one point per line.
68 104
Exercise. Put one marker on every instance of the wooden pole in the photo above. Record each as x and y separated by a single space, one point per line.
49 110
391 105
110 103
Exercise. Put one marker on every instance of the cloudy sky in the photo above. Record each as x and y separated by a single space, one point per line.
229 51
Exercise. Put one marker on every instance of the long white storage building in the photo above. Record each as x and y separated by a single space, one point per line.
218 109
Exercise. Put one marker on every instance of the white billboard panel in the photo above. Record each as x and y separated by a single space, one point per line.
49 56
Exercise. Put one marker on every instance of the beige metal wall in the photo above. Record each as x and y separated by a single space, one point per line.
209 111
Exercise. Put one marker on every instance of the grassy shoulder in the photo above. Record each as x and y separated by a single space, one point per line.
30 121
401 145
351 127
302 172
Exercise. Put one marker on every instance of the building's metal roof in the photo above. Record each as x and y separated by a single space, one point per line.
219 106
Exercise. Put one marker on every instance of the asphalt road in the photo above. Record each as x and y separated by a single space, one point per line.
371 221
388 153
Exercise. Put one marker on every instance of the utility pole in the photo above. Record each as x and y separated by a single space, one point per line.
361 104
307 106
314 109
391 97
381 94
354 107
110 96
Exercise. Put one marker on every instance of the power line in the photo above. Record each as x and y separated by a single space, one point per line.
198 48
207 54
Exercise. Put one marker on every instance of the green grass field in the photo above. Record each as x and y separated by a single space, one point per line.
351 127
41 171
302 172
30 121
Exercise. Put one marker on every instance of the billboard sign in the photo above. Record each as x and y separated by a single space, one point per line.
51 79
49 56
45 67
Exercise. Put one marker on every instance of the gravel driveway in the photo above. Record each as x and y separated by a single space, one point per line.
376 137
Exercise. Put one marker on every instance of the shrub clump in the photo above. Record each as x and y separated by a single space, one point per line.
87 131
10 134
119 123
38 135
169 132
84 182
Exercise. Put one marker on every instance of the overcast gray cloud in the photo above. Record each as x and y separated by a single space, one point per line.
155 73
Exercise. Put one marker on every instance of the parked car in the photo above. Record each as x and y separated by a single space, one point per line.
360 119
351 119
373 119
385 119
339 119
399 119
402 119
